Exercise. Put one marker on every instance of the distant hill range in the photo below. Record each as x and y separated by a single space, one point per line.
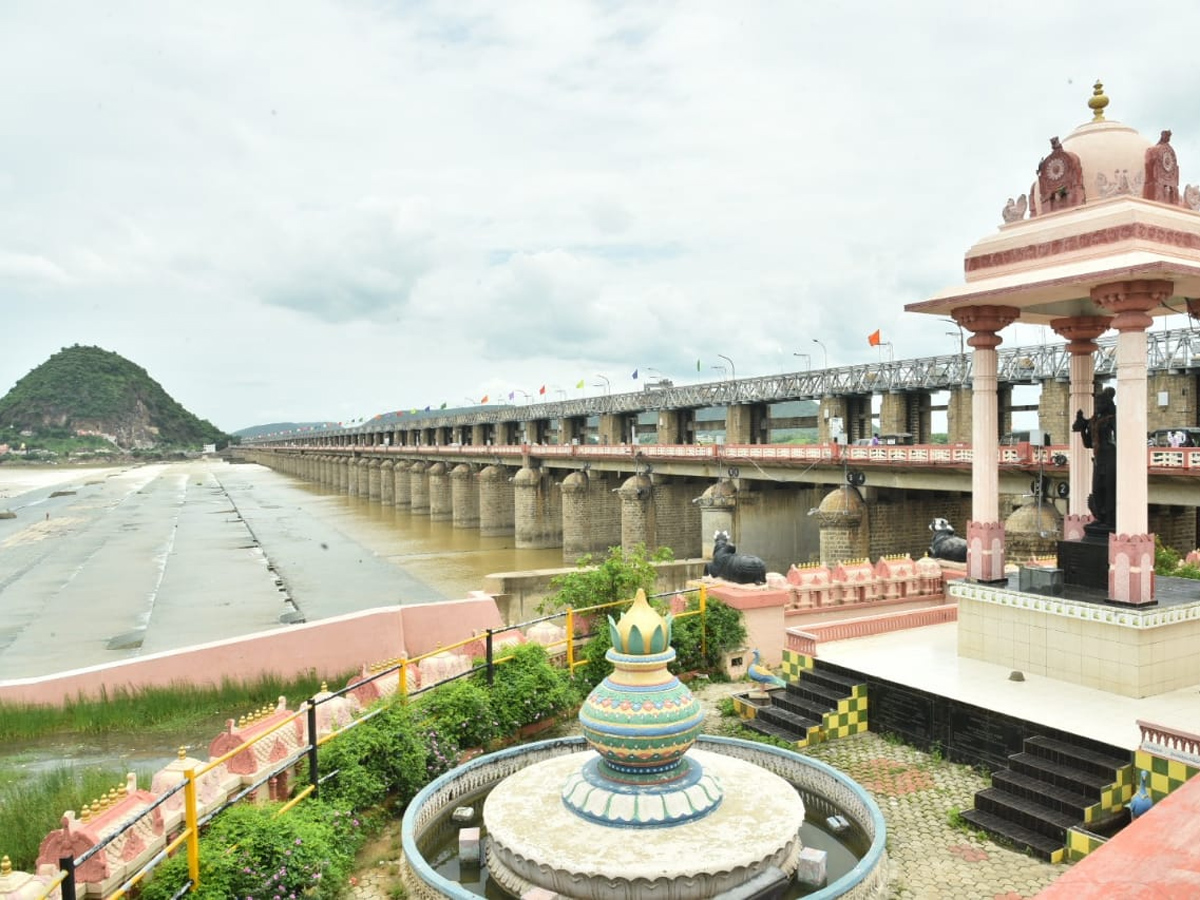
87 390
282 428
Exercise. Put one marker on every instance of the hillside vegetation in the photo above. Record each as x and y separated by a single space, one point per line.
92 396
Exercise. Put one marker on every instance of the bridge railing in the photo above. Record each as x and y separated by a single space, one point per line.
1163 460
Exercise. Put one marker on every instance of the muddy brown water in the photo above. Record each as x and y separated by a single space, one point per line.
150 558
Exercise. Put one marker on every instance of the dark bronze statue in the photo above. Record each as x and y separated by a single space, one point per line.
1099 435
727 563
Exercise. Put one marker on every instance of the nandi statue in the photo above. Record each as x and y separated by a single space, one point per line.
945 544
737 567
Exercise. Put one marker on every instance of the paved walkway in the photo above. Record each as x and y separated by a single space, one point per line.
931 858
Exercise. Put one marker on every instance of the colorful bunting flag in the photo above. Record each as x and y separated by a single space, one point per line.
443 406
580 384
542 389
697 365
873 338
635 375
485 399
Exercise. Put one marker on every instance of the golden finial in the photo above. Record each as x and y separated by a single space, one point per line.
1097 102
86 813
123 790
5 867
241 721
112 797
324 687
183 752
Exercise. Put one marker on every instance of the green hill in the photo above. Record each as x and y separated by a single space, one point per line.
90 391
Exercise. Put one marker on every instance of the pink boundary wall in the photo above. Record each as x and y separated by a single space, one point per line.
330 647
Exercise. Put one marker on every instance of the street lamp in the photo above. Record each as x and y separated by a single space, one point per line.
961 338
561 393
732 367
607 384
472 402
807 357
823 350
720 369
528 399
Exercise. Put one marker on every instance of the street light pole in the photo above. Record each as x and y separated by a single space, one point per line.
823 350
807 357
607 383
732 367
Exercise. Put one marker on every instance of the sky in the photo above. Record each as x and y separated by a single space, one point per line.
316 210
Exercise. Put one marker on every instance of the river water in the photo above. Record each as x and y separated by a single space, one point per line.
138 559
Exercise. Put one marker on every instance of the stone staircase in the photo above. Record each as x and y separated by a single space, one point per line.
818 706
1051 786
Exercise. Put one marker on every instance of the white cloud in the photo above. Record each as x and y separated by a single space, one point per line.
298 211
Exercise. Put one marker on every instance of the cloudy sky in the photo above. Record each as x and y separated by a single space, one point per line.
313 210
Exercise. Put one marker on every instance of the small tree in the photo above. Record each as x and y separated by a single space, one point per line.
617 577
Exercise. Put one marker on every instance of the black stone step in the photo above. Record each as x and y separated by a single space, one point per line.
1062 799
1078 781
1039 845
843 683
802 706
763 727
1027 813
1098 762
810 690
785 719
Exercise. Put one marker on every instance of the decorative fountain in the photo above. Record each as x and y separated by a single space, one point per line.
645 815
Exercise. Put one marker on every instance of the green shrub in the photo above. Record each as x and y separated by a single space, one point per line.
528 688
385 757
617 577
724 630
1166 559
250 851
461 711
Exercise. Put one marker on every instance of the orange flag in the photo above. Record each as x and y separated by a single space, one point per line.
485 399
873 338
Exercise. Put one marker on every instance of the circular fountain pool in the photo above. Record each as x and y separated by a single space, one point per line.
856 865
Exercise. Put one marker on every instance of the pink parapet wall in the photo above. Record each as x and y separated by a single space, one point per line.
331 647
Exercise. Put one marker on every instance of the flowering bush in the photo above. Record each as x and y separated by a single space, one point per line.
250 853
529 688
461 711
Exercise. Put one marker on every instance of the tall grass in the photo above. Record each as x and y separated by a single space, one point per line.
152 709
30 809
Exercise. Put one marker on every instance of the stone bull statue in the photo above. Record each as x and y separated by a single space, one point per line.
945 544
727 563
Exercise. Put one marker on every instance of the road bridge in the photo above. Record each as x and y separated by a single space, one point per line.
834 401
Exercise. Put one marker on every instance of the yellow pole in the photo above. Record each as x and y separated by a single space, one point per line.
570 639
703 621
403 677
191 820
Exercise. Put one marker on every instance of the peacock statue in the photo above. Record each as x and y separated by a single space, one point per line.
761 674
1141 801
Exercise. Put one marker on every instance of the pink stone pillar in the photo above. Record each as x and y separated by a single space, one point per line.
1081 332
1131 547
985 533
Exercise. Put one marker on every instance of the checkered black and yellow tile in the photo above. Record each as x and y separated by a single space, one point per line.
1080 843
795 664
1165 774
1113 797
849 718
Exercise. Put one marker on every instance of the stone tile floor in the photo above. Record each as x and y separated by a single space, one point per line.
929 857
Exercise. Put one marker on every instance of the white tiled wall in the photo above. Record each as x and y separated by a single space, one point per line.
1136 653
